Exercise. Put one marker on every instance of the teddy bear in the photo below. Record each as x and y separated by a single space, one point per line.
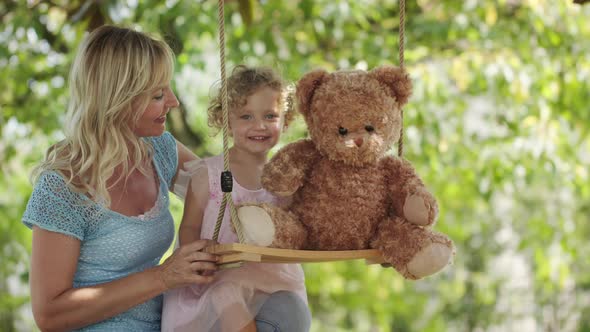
346 191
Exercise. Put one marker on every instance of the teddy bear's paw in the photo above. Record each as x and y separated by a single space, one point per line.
257 225
416 210
280 190
430 260
279 180
284 193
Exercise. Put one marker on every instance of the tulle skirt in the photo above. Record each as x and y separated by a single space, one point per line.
232 300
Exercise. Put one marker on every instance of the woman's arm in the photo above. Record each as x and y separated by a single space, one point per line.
57 306
194 207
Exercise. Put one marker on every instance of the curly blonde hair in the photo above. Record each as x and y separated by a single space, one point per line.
242 83
113 69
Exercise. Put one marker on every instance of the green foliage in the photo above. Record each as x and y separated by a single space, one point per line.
497 126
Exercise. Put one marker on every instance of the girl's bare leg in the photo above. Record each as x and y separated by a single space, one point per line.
233 314
251 327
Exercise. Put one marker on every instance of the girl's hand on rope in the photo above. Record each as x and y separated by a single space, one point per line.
188 265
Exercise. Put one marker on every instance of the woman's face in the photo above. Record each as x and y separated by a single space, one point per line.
153 119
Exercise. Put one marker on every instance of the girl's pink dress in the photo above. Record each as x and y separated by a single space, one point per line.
237 294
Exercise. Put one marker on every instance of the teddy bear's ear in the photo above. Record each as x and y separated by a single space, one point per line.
396 80
306 87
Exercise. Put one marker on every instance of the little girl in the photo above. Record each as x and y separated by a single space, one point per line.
255 296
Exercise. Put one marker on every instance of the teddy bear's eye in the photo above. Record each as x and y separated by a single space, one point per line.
342 131
369 128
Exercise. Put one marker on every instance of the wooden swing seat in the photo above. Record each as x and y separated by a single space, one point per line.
231 253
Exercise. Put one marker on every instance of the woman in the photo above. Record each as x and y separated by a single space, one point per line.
99 209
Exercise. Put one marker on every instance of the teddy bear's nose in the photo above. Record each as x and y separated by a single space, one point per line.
358 141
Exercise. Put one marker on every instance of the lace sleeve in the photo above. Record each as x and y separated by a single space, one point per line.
166 155
185 175
53 206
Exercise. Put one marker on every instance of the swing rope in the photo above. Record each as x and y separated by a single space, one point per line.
226 177
402 21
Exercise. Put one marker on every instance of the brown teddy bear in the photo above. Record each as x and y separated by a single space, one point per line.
346 192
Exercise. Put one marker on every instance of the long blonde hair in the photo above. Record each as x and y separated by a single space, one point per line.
113 69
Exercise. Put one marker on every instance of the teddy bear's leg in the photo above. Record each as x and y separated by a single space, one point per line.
415 252
270 226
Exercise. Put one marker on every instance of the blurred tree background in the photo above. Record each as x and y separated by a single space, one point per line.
498 127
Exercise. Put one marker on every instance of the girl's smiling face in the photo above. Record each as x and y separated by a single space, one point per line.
256 126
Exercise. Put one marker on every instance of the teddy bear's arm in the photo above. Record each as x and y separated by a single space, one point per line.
285 172
409 197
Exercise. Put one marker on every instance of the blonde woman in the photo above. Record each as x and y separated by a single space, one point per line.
99 208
